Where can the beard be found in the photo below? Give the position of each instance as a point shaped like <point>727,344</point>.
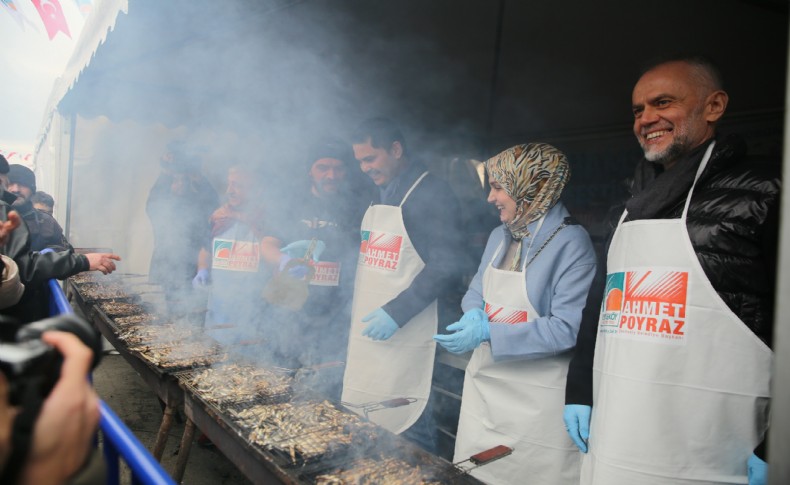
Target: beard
<point>675,150</point>
<point>681,141</point>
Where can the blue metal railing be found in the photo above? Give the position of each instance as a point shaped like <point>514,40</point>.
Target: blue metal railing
<point>119,441</point>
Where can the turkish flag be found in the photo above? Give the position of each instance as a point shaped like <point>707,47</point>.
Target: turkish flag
<point>52,15</point>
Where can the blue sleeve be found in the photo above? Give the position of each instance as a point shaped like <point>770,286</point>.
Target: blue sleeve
<point>558,290</point>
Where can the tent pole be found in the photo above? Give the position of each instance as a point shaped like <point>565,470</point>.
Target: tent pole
<point>70,171</point>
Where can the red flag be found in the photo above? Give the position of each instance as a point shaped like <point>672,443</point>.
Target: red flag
<point>52,15</point>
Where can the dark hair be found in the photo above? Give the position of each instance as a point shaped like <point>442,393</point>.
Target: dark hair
<point>4,167</point>
<point>42,197</point>
<point>707,70</point>
<point>382,133</point>
<point>330,147</point>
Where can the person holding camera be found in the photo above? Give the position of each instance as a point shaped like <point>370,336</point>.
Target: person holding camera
<point>62,434</point>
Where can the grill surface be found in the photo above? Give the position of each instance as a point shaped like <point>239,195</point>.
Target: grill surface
<point>262,419</point>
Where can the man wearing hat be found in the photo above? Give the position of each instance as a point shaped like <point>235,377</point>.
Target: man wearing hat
<point>36,269</point>
<point>325,213</point>
<point>45,232</point>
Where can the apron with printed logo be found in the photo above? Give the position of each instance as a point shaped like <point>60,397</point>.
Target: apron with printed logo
<point>402,366</point>
<point>234,284</point>
<point>680,383</point>
<point>515,403</point>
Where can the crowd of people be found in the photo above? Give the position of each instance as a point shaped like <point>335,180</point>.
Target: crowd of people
<point>649,363</point>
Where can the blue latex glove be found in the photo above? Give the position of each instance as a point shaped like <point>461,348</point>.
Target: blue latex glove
<point>577,422</point>
<point>201,279</point>
<point>297,249</point>
<point>758,470</point>
<point>298,271</point>
<point>381,326</point>
<point>468,333</point>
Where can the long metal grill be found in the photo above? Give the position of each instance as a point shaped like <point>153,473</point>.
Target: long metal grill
<point>277,420</point>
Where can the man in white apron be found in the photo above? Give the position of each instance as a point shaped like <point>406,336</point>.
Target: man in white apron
<point>325,216</point>
<point>407,260</point>
<point>682,362</point>
<point>231,262</point>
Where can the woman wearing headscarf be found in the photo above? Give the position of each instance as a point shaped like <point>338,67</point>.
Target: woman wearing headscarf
<point>521,315</point>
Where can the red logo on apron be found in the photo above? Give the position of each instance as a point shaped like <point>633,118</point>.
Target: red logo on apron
<point>502,314</point>
<point>380,250</point>
<point>650,305</point>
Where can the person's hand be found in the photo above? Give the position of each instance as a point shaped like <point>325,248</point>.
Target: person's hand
<point>104,262</point>
<point>201,279</point>
<point>758,470</point>
<point>468,333</point>
<point>298,271</point>
<point>381,326</point>
<point>8,226</point>
<point>577,422</point>
<point>298,249</point>
<point>63,433</point>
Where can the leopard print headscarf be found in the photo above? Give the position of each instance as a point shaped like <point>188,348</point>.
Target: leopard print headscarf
<point>533,175</point>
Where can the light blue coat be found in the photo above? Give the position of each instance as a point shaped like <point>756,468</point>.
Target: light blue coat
<point>557,284</point>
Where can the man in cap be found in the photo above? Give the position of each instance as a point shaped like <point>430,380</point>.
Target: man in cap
<point>324,215</point>
<point>45,232</point>
<point>677,389</point>
<point>409,261</point>
<point>35,268</point>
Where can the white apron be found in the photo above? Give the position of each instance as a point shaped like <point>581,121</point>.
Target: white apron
<point>515,403</point>
<point>401,367</point>
<point>235,260</point>
<point>680,384</point>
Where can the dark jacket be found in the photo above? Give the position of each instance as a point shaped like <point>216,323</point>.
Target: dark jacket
<point>45,232</point>
<point>733,226</point>
<point>180,225</point>
<point>431,215</point>
<point>36,269</point>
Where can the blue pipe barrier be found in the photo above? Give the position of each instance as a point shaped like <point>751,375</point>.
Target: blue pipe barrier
<point>119,441</point>
<point>145,469</point>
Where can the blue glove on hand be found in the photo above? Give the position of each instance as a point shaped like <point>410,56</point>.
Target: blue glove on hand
<point>469,332</point>
<point>297,271</point>
<point>297,249</point>
<point>201,279</point>
<point>758,470</point>
<point>381,326</point>
<point>577,422</point>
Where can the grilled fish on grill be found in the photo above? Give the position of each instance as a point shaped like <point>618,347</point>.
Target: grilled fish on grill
<point>183,355</point>
<point>236,383</point>
<point>304,430</point>
<point>137,319</point>
<point>119,308</point>
<point>102,291</point>
<point>139,335</point>
<point>367,471</point>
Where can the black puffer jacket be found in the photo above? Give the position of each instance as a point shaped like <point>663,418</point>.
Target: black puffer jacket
<point>733,227</point>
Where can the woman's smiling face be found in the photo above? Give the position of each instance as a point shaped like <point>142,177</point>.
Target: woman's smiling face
<point>504,203</point>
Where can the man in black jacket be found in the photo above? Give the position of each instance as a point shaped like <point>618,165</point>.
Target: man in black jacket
<point>671,377</point>
<point>409,260</point>
<point>45,232</point>
<point>36,269</point>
